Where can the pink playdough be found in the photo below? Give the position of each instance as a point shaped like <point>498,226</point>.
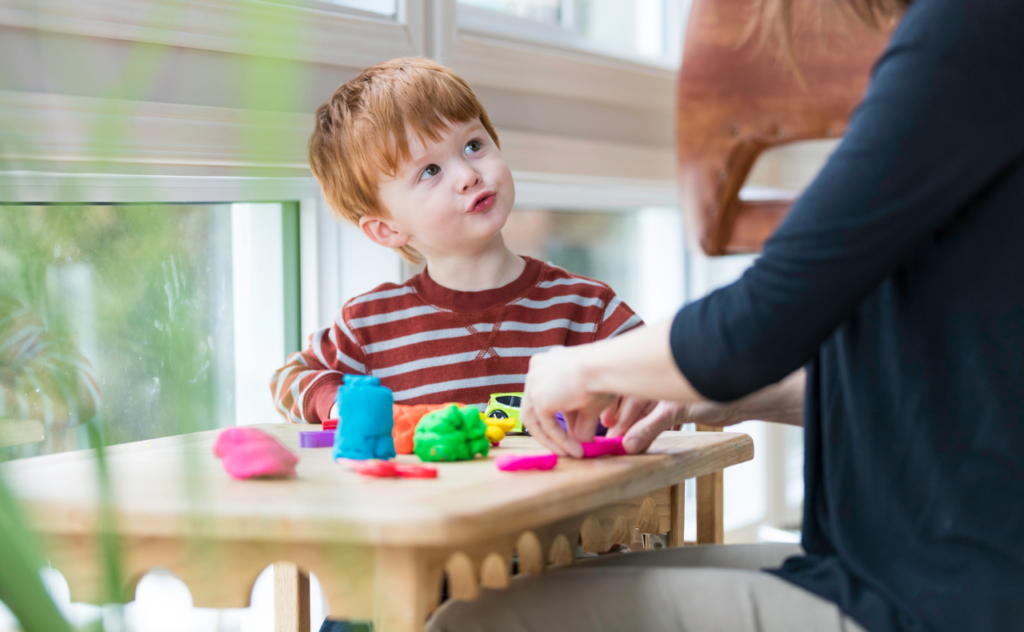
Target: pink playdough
<point>518,462</point>
<point>603,446</point>
<point>252,453</point>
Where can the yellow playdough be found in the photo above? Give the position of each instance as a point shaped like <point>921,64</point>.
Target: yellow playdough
<point>497,428</point>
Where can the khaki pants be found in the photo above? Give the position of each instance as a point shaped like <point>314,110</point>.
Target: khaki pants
<point>692,589</point>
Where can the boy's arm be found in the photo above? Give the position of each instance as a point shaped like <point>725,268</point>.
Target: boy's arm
<point>304,389</point>
<point>617,319</point>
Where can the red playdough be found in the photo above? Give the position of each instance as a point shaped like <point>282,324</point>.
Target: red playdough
<point>330,424</point>
<point>602,446</point>
<point>519,462</point>
<point>251,453</point>
<point>389,469</point>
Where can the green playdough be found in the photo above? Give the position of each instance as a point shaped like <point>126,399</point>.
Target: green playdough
<point>451,434</point>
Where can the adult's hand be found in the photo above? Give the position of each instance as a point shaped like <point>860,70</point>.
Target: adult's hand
<point>583,381</point>
<point>780,403</point>
<point>640,431</point>
<point>557,382</point>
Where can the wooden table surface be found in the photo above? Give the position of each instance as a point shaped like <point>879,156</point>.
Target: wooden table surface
<point>170,490</point>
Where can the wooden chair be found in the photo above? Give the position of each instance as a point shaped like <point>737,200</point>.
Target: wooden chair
<point>736,99</point>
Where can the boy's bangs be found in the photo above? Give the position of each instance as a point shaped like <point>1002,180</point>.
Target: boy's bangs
<point>426,111</point>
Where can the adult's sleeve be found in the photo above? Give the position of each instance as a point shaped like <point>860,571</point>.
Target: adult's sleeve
<point>943,118</point>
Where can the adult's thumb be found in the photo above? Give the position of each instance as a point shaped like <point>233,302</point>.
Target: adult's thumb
<point>641,435</point>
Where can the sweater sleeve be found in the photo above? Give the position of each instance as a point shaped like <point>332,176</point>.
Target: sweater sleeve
<point>939,124</point>
<point>617,318</point>
<point>304,388</point>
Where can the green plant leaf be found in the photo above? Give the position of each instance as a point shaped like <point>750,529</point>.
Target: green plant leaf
<point>21,587</point>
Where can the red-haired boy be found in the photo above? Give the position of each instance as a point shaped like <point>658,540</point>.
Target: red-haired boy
<point>406,151</point>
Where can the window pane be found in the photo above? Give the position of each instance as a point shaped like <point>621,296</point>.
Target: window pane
<point>636,26</point>
<point>541,10</point>
<point>638,252</point>
<point>121,314</point>
<point>384,7</point>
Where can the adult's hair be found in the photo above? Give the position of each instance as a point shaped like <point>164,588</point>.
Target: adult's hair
<point>775,18</point>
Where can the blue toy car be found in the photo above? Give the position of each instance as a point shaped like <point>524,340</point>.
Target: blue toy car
<point>365,420</point>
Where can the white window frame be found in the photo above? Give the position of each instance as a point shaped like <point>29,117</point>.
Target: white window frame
<point>480,21</point>
<point>331,33</point>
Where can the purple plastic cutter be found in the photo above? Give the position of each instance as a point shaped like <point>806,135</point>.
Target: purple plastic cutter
<point>316,439</point>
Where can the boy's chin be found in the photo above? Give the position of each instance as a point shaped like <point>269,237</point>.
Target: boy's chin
<point>469,245</point>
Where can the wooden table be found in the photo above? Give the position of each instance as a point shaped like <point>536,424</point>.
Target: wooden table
<point>378,546</point>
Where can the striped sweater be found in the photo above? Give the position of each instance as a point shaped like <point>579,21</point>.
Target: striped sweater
<point>431,345</point>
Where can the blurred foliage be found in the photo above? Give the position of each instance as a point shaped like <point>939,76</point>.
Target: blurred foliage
<point>115,326</point>
<point>116,321</point>
<point>139,292</point>
<point>21,587</point>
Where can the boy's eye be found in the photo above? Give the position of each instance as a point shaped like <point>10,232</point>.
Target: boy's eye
<point>472,147</point>
<point>430,172</point>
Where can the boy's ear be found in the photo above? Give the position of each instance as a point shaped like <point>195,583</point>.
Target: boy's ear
<point>381,232</point>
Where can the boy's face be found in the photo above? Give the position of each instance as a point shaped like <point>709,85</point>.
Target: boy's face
<point>451,197</point>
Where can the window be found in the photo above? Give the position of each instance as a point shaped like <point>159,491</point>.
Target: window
<point>138,316</point>
<point>636,251</point>
<point>630,28</point>
<point>383,7</point>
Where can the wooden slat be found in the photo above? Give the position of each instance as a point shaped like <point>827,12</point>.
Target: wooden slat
<point>710,504</point>
<point>678,515</point>
<point>291,598</point>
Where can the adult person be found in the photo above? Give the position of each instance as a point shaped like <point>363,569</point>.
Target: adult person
<point>896,282</point>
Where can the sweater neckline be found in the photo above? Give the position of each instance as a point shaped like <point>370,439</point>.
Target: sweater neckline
<point>458,300</point>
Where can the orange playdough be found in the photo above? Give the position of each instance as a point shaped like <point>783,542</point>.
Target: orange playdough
<point>406,418</point>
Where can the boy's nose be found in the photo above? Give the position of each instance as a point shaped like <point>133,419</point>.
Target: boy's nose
<point>469,178</point>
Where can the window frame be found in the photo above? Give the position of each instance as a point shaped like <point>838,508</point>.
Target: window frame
<point>479,21</point>
<point>332,34</point>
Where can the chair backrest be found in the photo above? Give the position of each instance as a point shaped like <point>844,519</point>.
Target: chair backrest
<point>737,98</point>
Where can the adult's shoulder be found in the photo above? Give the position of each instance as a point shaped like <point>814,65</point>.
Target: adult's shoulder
<point>964,31</point>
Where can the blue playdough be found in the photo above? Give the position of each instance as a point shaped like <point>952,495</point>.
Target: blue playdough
<point>365,420</point>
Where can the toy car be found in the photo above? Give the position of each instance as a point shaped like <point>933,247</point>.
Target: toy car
<point>506,406</point>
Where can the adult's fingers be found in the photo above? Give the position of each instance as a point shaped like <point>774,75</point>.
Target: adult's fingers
<point>548,432</point>
<point>610,415</point>
<point>582,424</point>
<point>630,412</point>
<point>554,431</point>
<point>643,433</point>
<point>528,417</point>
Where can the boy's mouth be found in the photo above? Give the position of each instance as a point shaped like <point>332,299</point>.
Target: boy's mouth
<point>483,202</point>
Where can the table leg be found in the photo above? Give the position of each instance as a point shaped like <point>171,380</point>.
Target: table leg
<point>291,598</point>
<point>677,515</point>
<point>406,589</point>
<point>710,525</point>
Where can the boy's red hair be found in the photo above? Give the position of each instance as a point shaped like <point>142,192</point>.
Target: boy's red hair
<point>361,132</point>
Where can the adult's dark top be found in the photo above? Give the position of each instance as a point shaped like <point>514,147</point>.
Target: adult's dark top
<point>898,280</point>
